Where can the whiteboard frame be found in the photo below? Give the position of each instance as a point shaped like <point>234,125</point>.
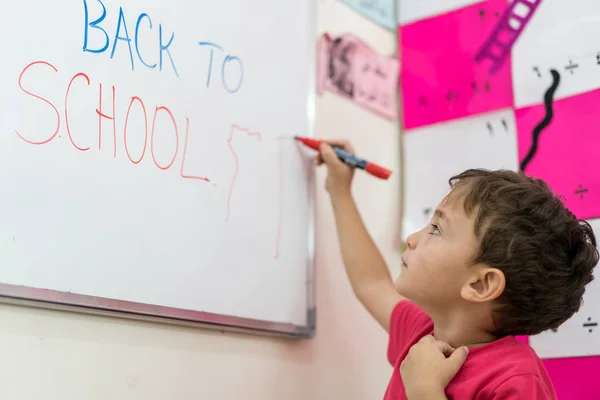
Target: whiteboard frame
<point>63,301</point>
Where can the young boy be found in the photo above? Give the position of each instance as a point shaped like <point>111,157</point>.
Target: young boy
<point>501,257</point>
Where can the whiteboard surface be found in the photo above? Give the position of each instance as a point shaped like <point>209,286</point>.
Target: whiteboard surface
<point>217,216</point>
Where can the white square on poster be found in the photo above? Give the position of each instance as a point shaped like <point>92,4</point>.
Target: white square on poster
<point>580,335</point>
<point>434,153</point>
<point>415,10</point>
<point>561,35</point>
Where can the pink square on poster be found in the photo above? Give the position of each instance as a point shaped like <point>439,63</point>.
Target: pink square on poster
<point>575,378</point>
<point>572,378</point>
<point>440,78</point>
<point>568,150</point>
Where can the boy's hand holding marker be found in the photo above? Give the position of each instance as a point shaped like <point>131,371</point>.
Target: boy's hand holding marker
<point>347,156</point>
<point>339,174</point>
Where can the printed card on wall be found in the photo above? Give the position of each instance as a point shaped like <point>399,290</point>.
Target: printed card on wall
<point>580,335</point>
<point>562,36</point>
<point>440,78</point>
<point>565,153</point>
<point>348,67</point>
<point>383,12</point>
<point>434,153</point>
<point>414,10</point>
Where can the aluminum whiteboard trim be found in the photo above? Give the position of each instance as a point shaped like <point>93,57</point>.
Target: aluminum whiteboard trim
<point>310,329</point>
<point>50,299</point>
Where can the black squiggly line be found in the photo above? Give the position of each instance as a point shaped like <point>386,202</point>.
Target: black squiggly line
<point>548,100</point>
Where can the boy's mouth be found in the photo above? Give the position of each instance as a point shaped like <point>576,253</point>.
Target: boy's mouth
<point>403,262</point>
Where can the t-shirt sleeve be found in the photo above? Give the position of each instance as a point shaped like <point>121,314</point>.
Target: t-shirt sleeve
<point>408,325</point>
<point>527,386</point>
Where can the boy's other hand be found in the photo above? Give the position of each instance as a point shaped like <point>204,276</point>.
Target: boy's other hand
<point>429,366</point>
<point>339,175</point>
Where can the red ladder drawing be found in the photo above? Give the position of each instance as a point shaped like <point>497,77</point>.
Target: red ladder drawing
<point>497,50</point>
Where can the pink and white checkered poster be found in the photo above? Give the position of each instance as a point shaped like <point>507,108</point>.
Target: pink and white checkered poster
<point>509,84</point>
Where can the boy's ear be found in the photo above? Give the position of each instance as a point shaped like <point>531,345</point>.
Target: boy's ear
<point>486,284</point>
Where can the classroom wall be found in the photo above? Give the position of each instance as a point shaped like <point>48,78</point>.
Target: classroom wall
<point>57,355</point>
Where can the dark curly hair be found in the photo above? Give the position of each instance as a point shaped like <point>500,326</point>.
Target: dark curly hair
<point>547,255</point>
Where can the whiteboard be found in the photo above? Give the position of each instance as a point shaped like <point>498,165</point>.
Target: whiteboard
<point>148,162</point>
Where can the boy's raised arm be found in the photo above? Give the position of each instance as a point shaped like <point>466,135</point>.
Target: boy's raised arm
<point>366,268</point>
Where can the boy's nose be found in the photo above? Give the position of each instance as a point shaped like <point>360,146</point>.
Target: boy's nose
<point>411,241</point>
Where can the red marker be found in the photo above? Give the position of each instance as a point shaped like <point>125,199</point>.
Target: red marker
<point>349,158</point>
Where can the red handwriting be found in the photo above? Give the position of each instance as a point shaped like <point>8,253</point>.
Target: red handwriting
<point>41,98</point>
<point>67,108</point>
<point>113,119</point>
<point>280,200</point>
<point>137,109</point>
<point>152,138</point>
<point>235,127</point>
<point>185,144</point>
<point>134,101</point>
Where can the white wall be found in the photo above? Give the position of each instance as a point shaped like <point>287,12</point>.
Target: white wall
<point>55,355</point>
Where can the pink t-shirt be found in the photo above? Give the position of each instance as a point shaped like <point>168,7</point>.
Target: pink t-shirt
<point>502,370</point>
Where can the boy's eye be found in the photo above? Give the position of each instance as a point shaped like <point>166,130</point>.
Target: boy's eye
<point>435,230</point>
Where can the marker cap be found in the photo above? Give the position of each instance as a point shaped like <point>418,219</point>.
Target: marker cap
<point>378,171</point>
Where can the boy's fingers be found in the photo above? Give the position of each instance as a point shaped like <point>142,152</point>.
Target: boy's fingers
<point>444,348</point>
<point>344,144</point>
<point>328,155</point>
<point>457,359</point>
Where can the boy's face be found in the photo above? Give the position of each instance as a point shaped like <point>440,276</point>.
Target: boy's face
<point>438,260</point>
